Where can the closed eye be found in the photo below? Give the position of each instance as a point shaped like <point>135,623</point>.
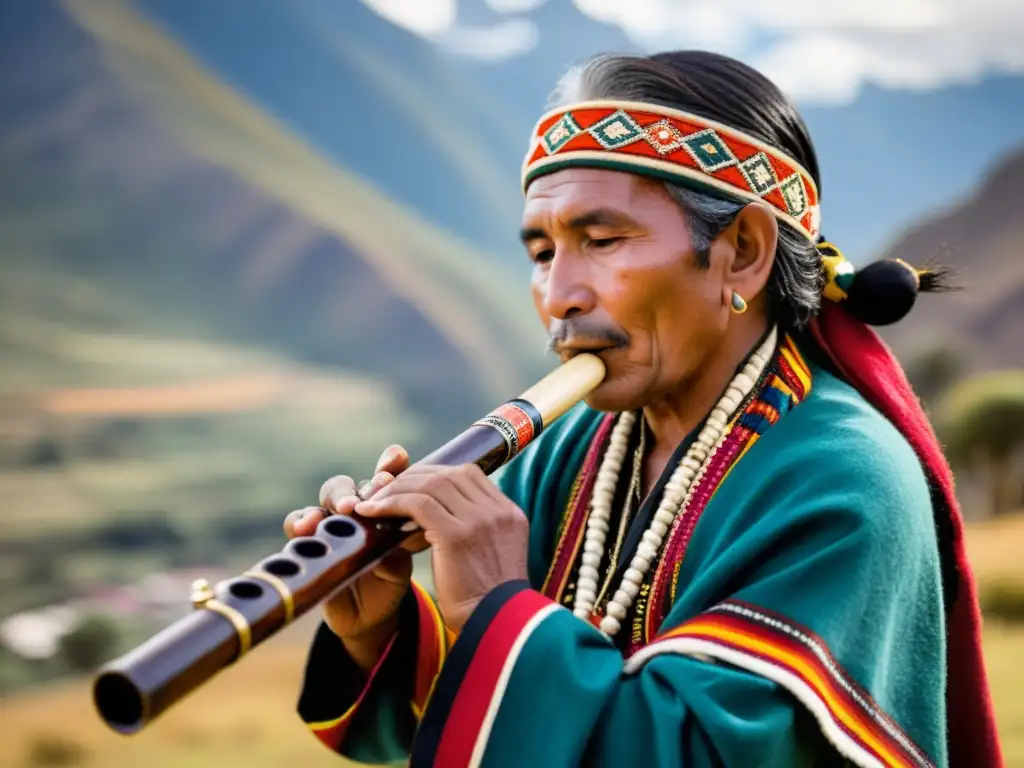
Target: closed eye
<point>604,242</point>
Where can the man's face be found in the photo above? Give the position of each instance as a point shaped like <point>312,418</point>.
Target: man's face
<point>615,272</point>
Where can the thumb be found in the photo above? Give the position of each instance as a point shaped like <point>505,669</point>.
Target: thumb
<point>395,567</point>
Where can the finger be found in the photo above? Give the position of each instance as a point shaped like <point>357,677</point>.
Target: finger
<point>416,543</point>
<point>463,479</point>
<point>441,484</point>
<point>373,485</point>
<point>394,460</point>
<point>303,522</point>
<point>425,510</point>
<point>478,479</point>
<point>414,480</point>
<point>335,490</point>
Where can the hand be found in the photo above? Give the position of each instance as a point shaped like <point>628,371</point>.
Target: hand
<point>364,616</point>
<point>479,538</point>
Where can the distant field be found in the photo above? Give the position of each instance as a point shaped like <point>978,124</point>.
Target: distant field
<point>995,548</point>
<point>226,428</point>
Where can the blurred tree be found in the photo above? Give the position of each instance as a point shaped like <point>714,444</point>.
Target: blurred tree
<point>934,372</point>
<point>89,644</point>
<point>137,531</point>
<point>44,452</point>
<point>981,423</point>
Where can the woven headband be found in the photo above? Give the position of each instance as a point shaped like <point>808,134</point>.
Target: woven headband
<point>675,146</point>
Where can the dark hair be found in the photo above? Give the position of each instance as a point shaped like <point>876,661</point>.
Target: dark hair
<point>727,91</point>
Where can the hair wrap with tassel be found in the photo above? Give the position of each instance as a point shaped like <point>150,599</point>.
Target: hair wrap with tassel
<point>883,292</point>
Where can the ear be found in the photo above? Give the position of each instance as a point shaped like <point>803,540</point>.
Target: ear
<point>751,240</point>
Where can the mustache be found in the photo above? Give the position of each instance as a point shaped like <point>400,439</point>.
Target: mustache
<point>582,331</point>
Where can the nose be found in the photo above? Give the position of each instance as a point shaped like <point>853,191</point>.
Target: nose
<point>566,290</point>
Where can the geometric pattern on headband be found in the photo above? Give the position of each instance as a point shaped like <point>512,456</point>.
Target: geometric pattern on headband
<point>674,146</point>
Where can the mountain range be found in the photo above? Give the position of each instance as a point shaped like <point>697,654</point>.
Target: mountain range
<point>145,198</point>
<point>981,237</point>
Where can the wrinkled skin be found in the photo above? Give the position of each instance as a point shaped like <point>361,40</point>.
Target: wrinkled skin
<point>614,273</point>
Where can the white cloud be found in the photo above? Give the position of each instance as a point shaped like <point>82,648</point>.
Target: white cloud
<point>436,20</point>
<point>826,51</point>
<point>514,6</point>
<point>817,51</point>
<point>512,37</point>
<point>423,17</point>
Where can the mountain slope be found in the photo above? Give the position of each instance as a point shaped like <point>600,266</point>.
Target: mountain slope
<point>982,237</point>
<point>192,213</point>
<point>448,282</point>
<point>372,97</point>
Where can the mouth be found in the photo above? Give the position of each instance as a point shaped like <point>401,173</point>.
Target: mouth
<point>567,351</point>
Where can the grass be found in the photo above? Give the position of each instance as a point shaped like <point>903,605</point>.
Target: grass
<point>1003,645</point>
<point>245,717</point>
<point>994,548</point>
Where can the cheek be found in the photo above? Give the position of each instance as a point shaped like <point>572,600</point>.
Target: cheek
<point>687,304</point>
<point>538,290</point>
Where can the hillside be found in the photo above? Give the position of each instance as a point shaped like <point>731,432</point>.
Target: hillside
<point>347,81</point>
<point>145,194</point>
<point>370,96</point>
<point>982,237</point>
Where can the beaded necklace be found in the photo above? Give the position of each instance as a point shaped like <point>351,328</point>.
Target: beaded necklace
<point>676,498</point>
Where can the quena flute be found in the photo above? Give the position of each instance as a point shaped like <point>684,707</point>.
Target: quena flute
<point>238,614</point>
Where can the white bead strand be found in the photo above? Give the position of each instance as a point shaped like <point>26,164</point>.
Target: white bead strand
<point>587,584</point>
<point>676,498</point>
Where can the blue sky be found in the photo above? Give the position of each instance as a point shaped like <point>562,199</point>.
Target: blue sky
<point>820,52</point>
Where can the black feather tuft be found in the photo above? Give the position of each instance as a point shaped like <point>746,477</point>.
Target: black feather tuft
<point>937,279</point>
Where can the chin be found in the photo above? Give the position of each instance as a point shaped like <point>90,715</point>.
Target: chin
<point>615,397</point>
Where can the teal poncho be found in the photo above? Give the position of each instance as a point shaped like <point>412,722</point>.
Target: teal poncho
<point>797,622</point>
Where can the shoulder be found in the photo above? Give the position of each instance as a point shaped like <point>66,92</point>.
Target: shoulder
<point>833,470</point>
<point>836,433</point>
<point>834,457</point>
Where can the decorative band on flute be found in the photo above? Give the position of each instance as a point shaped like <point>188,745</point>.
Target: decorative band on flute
<point>517,421</point>
<point>203,597</point>
<point>287,599</point>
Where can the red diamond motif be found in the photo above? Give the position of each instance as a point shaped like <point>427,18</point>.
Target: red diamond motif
<point>663,136</point>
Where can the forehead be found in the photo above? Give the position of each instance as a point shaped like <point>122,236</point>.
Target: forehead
<point>573,189</point>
